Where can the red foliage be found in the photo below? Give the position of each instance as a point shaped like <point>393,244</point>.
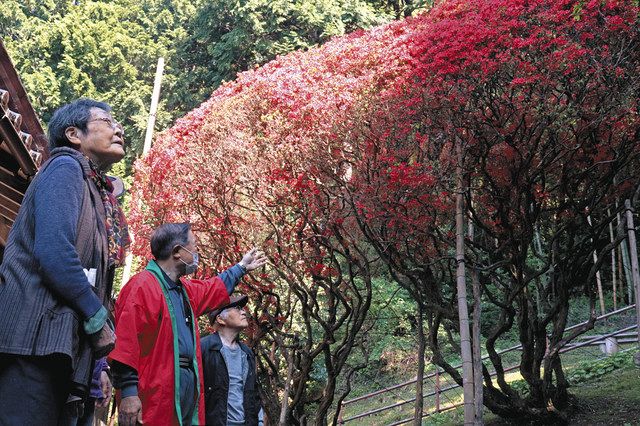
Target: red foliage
<point>353,140</point>
<point>375,113</point>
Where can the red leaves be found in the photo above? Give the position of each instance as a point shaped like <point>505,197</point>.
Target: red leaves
<point>289,155</point>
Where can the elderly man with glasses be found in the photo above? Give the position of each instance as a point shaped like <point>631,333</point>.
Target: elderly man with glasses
<point>156,361</point>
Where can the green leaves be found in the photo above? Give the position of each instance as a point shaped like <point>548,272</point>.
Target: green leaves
<point>594,369</point>
<point>230,37</point>
<point>103,50</point>
<point>108,49</point>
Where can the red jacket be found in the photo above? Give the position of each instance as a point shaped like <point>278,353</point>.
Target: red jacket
<point>144,340</point>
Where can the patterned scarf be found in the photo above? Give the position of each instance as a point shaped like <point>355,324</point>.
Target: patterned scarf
<point>116,224</point>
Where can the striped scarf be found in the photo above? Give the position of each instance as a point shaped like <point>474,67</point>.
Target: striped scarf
<point>116,224</point>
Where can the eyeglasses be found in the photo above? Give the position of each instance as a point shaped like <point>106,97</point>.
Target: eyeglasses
<point>193,253</point>
<point>113,123</point>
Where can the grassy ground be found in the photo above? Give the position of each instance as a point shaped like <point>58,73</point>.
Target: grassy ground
<point>613,399</point>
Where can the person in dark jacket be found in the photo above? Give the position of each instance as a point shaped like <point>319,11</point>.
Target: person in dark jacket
<point>229,369</point>
<point>56,276</point>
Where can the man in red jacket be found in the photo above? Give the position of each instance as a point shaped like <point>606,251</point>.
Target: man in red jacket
<point>155,362</point>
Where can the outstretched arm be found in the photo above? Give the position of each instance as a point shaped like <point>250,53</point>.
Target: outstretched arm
<point>251,260</point>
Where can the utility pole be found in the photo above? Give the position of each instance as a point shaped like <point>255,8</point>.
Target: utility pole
<point>151,122</point>
<point>155,98</point>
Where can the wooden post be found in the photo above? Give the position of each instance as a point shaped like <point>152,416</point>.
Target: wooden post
<point>463,308</point>
<point>633,251</point>
<point>151,122</point>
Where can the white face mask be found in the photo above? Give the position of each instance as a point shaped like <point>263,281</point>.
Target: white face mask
<point>190,268</point>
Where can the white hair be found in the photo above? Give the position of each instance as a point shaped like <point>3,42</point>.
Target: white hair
<point>225,313</point>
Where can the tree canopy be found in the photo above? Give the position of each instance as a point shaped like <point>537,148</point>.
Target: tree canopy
<point>340,161</point>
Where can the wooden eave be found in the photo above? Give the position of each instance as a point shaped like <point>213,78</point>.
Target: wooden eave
<point>23,143</point>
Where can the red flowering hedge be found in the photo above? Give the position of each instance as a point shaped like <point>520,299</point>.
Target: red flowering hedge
<point>354,141</point>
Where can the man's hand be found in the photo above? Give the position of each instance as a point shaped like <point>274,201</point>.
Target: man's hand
<point>105,385</point>
<point>253,259</point>
<point>130,411</point>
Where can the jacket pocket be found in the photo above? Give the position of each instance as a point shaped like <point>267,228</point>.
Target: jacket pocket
<point>57,332</point>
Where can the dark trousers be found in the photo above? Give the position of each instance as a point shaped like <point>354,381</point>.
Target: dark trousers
<point>33,389</point>
<point>188,397</point>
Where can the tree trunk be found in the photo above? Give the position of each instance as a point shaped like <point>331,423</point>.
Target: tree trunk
<point>284,409</point>
<point>419,404</point>
<point>463,308</point>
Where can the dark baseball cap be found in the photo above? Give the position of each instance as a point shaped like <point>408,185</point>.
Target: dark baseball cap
<point>239,300</point>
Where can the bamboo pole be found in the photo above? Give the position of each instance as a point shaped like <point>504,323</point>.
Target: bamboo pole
<point>418,408</point>
<point>620,274</point>
<point>476,343</point>
<point>437,389</point>
<point>155,99</point>
<point>634,260</point>
<point>626,268</point>
<point>463,308</point>
<point>478,395</point>
<point>613,263</point>
<point>598,279</point>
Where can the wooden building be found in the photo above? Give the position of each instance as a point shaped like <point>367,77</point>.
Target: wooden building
<point>23,144</point>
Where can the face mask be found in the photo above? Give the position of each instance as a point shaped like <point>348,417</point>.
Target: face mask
<point>190,268</point>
